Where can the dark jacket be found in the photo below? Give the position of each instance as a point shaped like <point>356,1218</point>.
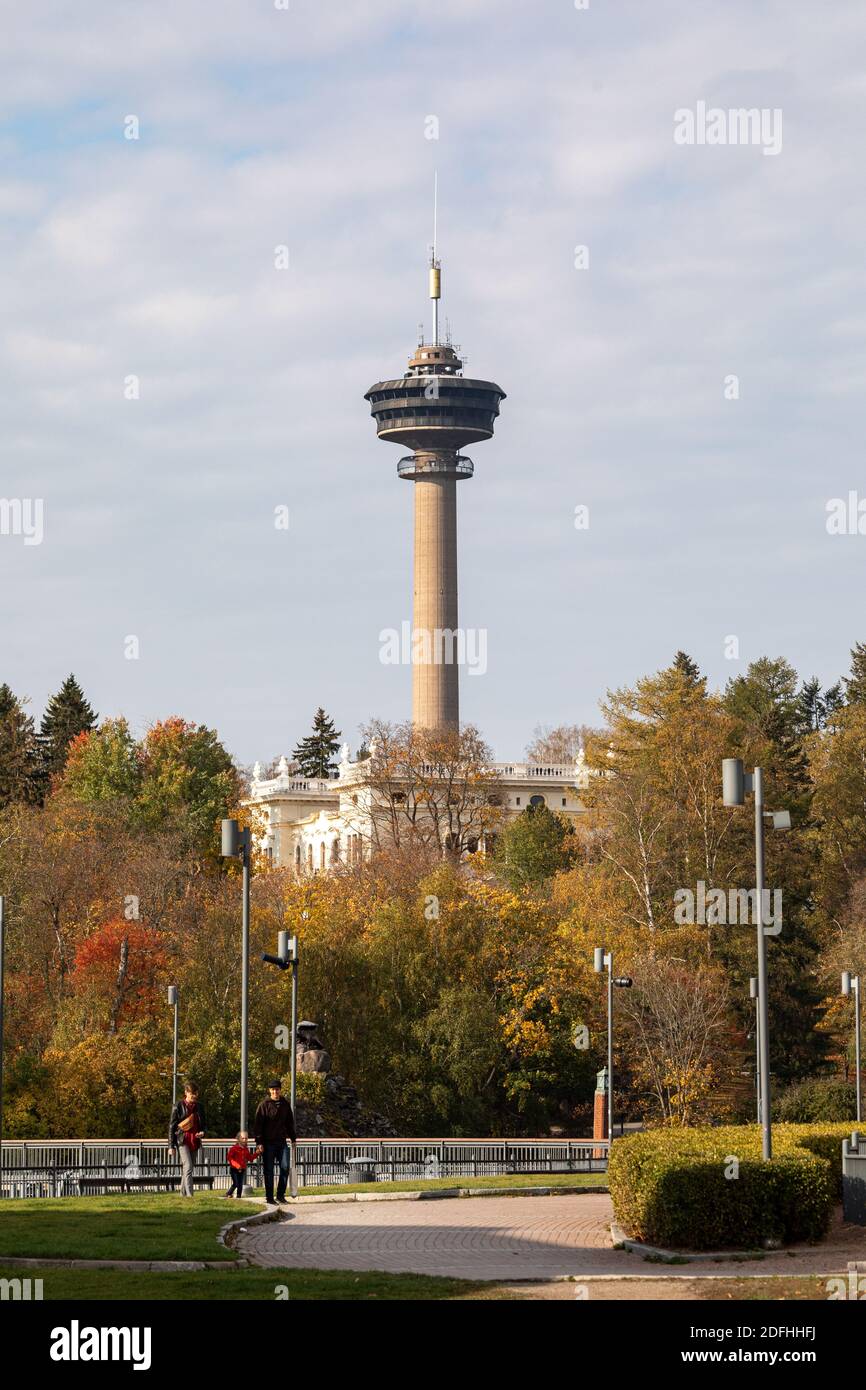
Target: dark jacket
<point>174,1139</point>
<point>274,1122</point>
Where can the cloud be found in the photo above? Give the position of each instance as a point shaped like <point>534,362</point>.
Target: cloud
<point>306,128</point>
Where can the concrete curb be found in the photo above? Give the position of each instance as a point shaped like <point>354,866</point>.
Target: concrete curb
<point>678,1257</point>
<point>441,1193</point>
<point>231,1229</point>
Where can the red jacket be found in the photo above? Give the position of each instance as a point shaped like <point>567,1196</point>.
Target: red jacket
<point>239,1156</point>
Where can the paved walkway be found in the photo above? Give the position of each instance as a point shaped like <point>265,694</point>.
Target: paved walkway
<point>500,1238</point>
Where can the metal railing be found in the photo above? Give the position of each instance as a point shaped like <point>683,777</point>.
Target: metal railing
<point>64,1168</point>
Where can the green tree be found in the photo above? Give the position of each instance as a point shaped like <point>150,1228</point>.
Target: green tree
<point>315,753</point>
<point>19,766</point>
<point>104,764</point>
<point>533,847</point>
<point>67,714</point>
<point>186,774</point>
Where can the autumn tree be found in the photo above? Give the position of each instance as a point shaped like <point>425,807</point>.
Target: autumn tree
<point>558,746</point>
<point>436,789</point>
<point>678,1020</point>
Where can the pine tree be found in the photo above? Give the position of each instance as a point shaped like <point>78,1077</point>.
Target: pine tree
<point>690,669</point>
<point>19,754</point>
<point>67,714</point>
<point>855,684</point>
<point>315,753</point>
<point>812,705</point>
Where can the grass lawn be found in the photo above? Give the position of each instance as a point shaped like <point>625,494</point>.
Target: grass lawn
<point>143,1226</point>
<point>516,1180</point>
<point>232,1285</point>
<point>780,1288</point>
<point>163,1226</point>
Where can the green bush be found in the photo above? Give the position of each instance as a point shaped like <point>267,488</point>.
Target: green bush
<point>669,1186</point>
<point>817,1102</point>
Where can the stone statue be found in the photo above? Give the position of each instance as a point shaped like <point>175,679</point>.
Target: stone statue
<point>309,1051</point>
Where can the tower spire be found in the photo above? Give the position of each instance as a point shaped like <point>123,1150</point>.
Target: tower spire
<point>435,268</point>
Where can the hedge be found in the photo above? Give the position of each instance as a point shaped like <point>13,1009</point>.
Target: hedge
<point>669,1186</point>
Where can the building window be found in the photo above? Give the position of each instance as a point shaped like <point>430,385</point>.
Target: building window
<point>563,801</point>
<point>518,801</point>
<point>322,855</point>
<point>309,858</point>
<point>537,801</point>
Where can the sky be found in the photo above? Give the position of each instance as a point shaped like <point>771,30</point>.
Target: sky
<point>694,378</point>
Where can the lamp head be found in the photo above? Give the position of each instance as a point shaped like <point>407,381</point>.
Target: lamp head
<point>733,782</point>
<point>231,840</point>
<point>846,982</point>
<point>598,960</point>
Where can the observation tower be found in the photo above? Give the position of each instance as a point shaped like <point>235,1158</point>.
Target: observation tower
<point>436,411</point>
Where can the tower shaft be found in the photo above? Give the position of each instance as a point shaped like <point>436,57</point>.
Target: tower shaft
<point>435,697</point>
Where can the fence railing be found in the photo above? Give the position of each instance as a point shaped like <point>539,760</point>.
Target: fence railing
<point>59,1168</point>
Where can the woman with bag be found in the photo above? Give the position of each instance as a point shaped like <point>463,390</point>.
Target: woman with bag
<point>185,1132</point>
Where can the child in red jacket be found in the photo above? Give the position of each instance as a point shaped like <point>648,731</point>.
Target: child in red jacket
<point>239,1158</point>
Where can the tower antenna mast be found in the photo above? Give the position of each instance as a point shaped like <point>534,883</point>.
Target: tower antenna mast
<point>435,270</point>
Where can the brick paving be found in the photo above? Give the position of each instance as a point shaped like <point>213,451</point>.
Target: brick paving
<point>497,1238</point>
<point>469,1238</point>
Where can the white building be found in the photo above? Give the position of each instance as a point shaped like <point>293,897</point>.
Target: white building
<point>314,825</point>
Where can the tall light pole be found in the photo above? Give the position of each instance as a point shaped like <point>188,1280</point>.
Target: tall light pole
<point>287,955</point>
<point>735,784</point>
<point>172,999</point>
<point>2,966</point>
<point>237,844</point>
<point>753,994</point>
<point>604,959</point>
<point>851,985</point>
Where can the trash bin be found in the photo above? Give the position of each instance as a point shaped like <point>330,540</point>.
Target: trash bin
<point>361,1169</point>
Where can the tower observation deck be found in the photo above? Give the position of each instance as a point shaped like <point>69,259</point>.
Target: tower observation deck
<point>435,411</point>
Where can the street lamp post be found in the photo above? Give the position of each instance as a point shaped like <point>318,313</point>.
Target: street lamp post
<point>287,955</point>
<point>753,994</point>
<point>604,959</point>
<point>172,999</point>
<point>851,985</point>
<point>2,966</point>
<point>735,784</point>
<point>237,844</point>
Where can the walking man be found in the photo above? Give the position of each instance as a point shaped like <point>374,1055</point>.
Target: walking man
<point>185,1132</point>
<point>274,1129</point>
